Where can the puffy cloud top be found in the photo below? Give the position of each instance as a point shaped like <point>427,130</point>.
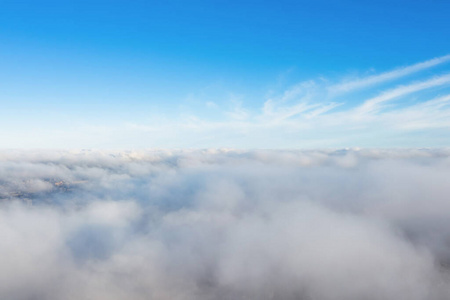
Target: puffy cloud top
<point>225,224</point>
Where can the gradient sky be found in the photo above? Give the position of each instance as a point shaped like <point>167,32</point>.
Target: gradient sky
<point>242,74</point>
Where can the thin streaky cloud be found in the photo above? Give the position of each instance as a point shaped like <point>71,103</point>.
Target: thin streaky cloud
<point>434,113</point>
<point>311,113</point>
<point>286,112</point>
<point>373,103</point>
<point>322,110</point>
<point>391,75</point>
<point>305,115</point>
<point>437,102</point>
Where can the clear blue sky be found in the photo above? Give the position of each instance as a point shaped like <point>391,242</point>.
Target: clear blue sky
<point>246,74</point>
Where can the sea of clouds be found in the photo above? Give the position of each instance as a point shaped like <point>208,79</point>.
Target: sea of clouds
<point>225,224</point>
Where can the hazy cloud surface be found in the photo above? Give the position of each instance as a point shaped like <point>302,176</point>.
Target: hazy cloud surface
<point>225,224</point>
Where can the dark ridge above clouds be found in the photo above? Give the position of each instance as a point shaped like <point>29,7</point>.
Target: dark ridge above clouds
<point>225,224</point>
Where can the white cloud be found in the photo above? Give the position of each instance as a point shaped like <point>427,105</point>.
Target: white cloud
<point>221,224</point>
<point>313,113</point>
<point>387,76</point>
<point>373,103</point>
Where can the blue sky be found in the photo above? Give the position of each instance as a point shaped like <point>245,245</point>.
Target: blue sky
<point>241,74</point>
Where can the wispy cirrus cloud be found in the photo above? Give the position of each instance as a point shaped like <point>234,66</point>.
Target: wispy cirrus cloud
<point>387,76</point>
<point>374,103</point>
<point>383,110</point>
<point>323,113</point>
<point>323,108</point>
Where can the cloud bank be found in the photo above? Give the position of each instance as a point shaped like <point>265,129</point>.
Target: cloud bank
<point>225,224</point>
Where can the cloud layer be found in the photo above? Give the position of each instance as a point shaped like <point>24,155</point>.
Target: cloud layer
<point>225,224</point>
